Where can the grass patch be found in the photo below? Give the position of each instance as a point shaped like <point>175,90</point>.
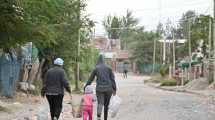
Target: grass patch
<point>152,81</point>
<point>4,109</point>
<point>168,83</point>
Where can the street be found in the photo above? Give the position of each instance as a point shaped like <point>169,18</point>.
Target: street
<point>139,102</point>
<point>52,49</point>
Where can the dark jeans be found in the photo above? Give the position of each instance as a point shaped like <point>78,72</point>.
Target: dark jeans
<point>55,104</point>
<point>103,99</point>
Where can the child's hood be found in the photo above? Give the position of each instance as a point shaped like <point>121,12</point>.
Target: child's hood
<point>88,89</point>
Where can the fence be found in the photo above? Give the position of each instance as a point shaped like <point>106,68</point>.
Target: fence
<point>148,68</point>
<point>9,74</point>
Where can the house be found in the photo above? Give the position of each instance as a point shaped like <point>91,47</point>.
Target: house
<point>111,48</point>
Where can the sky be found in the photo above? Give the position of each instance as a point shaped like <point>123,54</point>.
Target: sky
<point>148,12</point>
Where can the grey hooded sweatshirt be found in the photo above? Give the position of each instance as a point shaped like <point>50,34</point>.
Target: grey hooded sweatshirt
<point>105,79</point>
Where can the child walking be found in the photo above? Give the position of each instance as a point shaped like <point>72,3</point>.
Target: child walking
<point>87,103</point>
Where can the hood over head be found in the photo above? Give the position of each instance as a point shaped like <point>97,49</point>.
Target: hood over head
<point>88,89</point>
<point>100,60</point>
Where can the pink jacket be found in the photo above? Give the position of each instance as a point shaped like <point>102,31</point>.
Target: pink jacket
<point>88,99</point>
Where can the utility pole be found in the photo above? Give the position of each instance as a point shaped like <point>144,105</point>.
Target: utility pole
<point>164,51</point>
<point>209,39</point>
<point>190,54</point>
<point>210,62</point>
<point>78,51</point>
<point>173,47</point>
<point>78,63</point>
<point>214,45</point>
<point>154,56</point>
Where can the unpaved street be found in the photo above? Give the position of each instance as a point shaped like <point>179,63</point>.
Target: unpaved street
<point>140,102</point>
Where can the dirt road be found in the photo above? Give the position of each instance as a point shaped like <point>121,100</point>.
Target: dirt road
<point>141,102</point>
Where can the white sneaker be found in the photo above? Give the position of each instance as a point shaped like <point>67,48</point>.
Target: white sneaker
<point>55,118</point>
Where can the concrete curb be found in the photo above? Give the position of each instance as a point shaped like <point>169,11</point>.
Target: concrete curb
<point>180,90</point>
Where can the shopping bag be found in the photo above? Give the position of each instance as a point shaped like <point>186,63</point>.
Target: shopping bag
<point>76,106</point>
<point>114,105</point>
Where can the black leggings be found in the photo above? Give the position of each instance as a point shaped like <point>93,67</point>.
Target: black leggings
<point>103,99</point>
<point>55,104</point>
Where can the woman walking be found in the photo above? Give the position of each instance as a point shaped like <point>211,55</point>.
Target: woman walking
<point>53,88</point>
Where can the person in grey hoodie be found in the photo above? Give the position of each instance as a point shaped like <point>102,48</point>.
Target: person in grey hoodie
<point>105,86</point>
<point>53,88</point>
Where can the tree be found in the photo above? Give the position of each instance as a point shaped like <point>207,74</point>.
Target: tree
<point>12,24</point>
<point>113,25</point>
<point>54,28</point>
<point>142,47</point>
<point>199,30</point>
<point>129,24</point>
<point>182,31</point>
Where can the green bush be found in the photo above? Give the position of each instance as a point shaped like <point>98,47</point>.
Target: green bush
<point>164,70</point>
<point>168,83</point>
<point>38,87</point>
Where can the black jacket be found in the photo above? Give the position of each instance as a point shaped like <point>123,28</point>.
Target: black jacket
<point>55,81</point>
<point>105,78</point>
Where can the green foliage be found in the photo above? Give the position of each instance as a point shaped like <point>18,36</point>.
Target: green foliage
<point>38,87</point>
<point>52,25</point>
<point>164,70</point>
<point>88,61</point>
<point>54,28</point>
<point>112,25</point>
<point>12,24</point>
<point>182,31</point>
<point>168,83</point>
<point>139,42</point>
<point>142,47</point>
<point>129,22</point>
<point>199,30</point>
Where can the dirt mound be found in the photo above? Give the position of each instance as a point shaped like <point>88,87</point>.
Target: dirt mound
<point>197,84</point>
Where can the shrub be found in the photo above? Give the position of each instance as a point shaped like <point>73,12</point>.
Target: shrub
<point>38,87</point>
<point>164,70</point>
<point>168,83</point>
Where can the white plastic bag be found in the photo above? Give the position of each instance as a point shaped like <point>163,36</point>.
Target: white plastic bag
<point>114,105</point>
